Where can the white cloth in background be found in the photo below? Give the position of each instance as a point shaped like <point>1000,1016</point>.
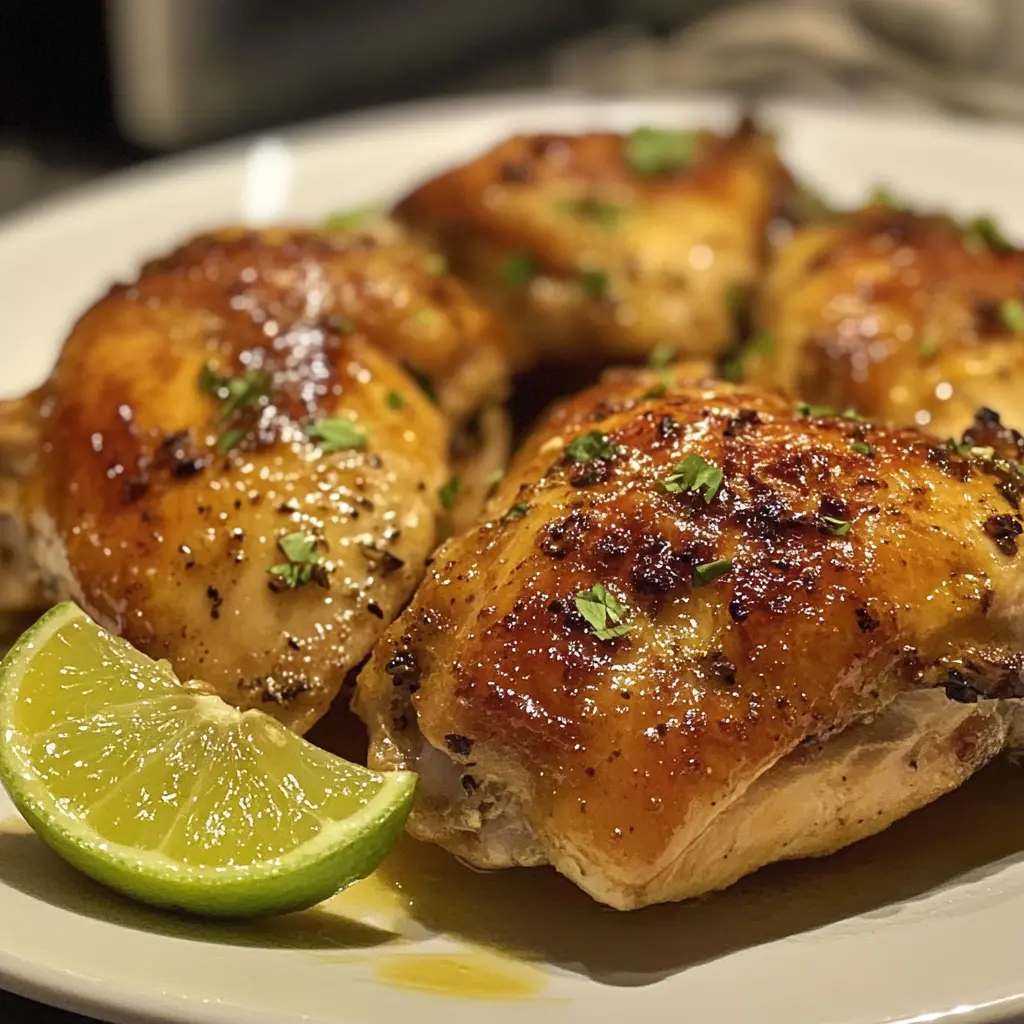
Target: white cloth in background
<point>957,55</point>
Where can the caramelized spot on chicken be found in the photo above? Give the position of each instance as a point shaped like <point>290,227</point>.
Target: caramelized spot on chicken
<point>661,689</point>
<point>594,251</point>
<point>223,472</point>
<point>906,318</point>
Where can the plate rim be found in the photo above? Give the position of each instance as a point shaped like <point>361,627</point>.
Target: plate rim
<point>80,994</point>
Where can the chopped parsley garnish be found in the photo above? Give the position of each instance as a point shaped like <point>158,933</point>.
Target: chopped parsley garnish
<point>496,477</point>
<point>516,511</point>
<point>732,369</point>
<point>1013,315</point>
<point>662,356</point>
<point>449,492</point>
<point>239,392</point>
<point>861,448</point>
<point>658,391</point>
<point>762,343</point>
<point>594,282</point>
<point>346,220</point>
<point>395,400</point>
<point>651,151</point>
<point>586,447</point>
<point>694,474</point>
<point>711,571</point>
<point>982,234</point>
<point>303,562</point>
<point>519,270</point>
<point>230,439</point>
<point>837,527</point>
<point>969,451</point>
<point>592,208</point>
<point>603,613</point>
<point>334,435</point>
<point>881,196</point>
<point>928,347</point>
<point>825,411</point>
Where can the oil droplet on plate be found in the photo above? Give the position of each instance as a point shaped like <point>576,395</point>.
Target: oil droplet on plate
<point>471,975</point>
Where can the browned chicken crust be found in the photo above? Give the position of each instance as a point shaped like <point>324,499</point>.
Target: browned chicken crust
<point>588,258</point>
<point>841,572</point>
<point>901,316</point>
<point>159,501</point>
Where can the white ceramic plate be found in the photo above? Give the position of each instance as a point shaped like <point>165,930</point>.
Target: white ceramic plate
<point>920,924</point>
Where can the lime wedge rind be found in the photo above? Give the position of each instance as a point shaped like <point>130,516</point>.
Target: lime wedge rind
<point>341,852</point>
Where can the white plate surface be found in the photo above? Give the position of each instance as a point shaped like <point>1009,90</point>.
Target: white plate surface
<point>921,924</point>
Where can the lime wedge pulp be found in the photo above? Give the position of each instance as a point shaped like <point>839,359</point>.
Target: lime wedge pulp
<point>172,796</point>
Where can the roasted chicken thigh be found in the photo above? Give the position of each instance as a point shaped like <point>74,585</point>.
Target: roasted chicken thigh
<point>604,246</point>
<point>908,318</point>
<point>699,630</point>
<point>241,458</point>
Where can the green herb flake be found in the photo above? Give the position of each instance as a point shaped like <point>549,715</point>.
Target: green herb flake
<point>395,400</point>
<point>602,612</point>
<point>762,343</point>
<point>449,493</point>
<point>982,234</point>
<point>658,391</point>
<point>711,571</point>
<point>881,196</point>
<point>653,151</point>
<point>732,369</point>
<point>586,447</point>
<point>929,347</point>
<point>347,220</point>
<point>239,392</point>
<point>230,440</point>
<point>862,449</point>
<point>303,562</point>
<point>335,435</point>
<point>694,474</point>
<point>519,270</point>
<point>662,356</point>
<point>837,527</point>
<point>594,282</point>
<point>1013,315</point>
<point>517,511</point>
<point>591,208</point>
<point>814,411</point>
<point>819,412</point>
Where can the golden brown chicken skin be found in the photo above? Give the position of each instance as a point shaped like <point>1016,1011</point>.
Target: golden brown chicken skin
<point>236,466</point>
<point>908,318</point>
<point>658,689</point>
<point>604,246</point>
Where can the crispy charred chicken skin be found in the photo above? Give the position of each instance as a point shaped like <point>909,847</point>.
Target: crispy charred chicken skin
<point>236,464</point>
<point>699,631</point>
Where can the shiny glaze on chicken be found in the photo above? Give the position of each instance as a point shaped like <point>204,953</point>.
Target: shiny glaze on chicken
<point>588,257</point>
<point>838,566</point>
<point>900,316</point>
<point>177,445</point>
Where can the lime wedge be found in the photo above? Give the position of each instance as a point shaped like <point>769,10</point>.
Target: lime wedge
<point>171,796</point>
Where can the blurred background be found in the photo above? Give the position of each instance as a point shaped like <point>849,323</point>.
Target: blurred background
<point>91,85</point>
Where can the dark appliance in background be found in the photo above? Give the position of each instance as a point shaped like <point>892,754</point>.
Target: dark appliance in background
<point>164,74</point>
